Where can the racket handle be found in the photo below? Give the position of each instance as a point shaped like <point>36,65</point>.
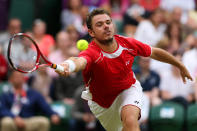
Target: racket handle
<point>57,67</point>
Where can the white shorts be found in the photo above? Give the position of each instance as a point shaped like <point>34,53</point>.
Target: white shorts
<point>110,118</point>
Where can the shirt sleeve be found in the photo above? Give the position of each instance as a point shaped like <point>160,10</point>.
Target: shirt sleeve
<point>140,48</point>
<point>43,105</point>
<point>4,107</point>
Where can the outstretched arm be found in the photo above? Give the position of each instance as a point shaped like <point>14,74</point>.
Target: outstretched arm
<point>73,64</point>
<point>164,56</point>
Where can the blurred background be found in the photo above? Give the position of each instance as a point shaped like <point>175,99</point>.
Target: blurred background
<point>56,25</point>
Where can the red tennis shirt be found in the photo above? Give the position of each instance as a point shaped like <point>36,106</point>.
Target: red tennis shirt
<point>108,74</point>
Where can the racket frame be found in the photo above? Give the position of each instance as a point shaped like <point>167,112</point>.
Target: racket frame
<point>39,54</point>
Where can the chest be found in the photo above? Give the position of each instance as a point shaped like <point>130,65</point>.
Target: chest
<point>115,64</point>
<point>26,102</point>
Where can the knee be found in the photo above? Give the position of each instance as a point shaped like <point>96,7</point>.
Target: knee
<point>44,122</point>
<point>130,121</point>
<point>7,122</point>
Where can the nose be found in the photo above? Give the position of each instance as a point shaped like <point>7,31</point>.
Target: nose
<point>106,26</point>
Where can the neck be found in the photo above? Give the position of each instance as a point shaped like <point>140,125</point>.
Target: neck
<point>144,71</point>
<point>75,10</point>
<point>107,47</point>
<point>18,89</point>
<point>38,37</point>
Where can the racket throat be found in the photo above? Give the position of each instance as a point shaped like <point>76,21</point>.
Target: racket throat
<point>54,66</point>
<point>57,67</point>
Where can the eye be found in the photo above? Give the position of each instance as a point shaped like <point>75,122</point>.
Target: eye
<point>108,22</point>
<point>98,24</point>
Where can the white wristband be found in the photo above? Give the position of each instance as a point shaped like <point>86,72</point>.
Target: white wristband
<point>71,65</point>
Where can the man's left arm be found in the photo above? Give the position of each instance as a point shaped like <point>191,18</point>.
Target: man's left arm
<point>164,56</point>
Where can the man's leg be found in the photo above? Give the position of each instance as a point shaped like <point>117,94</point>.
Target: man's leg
<point>38,123</point>
<point>129,116</point>
<point>7,124</point>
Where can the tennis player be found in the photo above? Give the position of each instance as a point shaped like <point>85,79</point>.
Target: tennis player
<point>113,93</point>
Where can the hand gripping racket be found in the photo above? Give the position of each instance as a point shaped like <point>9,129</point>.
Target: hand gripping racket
<point>25,56</point>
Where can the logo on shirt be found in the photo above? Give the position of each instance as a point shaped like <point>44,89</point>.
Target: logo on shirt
<point>137,102</point>
<point>127,63</point>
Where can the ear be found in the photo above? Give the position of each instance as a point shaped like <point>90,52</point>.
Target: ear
<point>91,33</point>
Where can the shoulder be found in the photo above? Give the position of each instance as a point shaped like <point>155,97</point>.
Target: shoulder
<point>48,39</point>
<point>65,12</point>
<point>93,54</point>
<point>4,35</point>
<point>126,41</point>
<point>145,23</point>
<point>123,39</point>
<point>33,92</point>
<point>188,56</point>
<point>48,36</point>
<point>155,74</point>
<point>6,88</point>
<point>92,50</point>
<point>190,52</point>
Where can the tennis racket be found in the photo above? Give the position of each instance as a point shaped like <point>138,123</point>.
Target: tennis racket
<point>25,56</point>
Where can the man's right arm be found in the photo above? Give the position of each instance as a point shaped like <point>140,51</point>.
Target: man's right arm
<point>73,64</point>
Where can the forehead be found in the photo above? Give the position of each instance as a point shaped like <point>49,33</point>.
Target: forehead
<point>16,74</point>
<point>100,18</point>
<point>62,35</point>
<point>15,23</point>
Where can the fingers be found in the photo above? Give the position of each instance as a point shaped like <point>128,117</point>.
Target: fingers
<point>186,76</point>
<point>65,72</point>
<point>190,77</point>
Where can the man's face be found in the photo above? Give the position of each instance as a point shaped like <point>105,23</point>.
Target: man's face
<point>102,28</point>
<point>39,28</point>
<point>63,41</point>
<point>17,79</point>
<point>157,17</point>
<point>14,26</point>
<point>144,63</point>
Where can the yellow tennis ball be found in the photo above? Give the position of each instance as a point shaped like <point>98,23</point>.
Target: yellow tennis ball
<point>82,44</point>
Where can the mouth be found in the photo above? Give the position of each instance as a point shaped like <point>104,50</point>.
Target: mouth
<point>107,32</point>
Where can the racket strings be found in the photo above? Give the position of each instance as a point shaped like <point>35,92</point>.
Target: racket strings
<point>23,54</point>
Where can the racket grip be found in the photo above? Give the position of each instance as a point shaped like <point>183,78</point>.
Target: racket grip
<point>58,67</point>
